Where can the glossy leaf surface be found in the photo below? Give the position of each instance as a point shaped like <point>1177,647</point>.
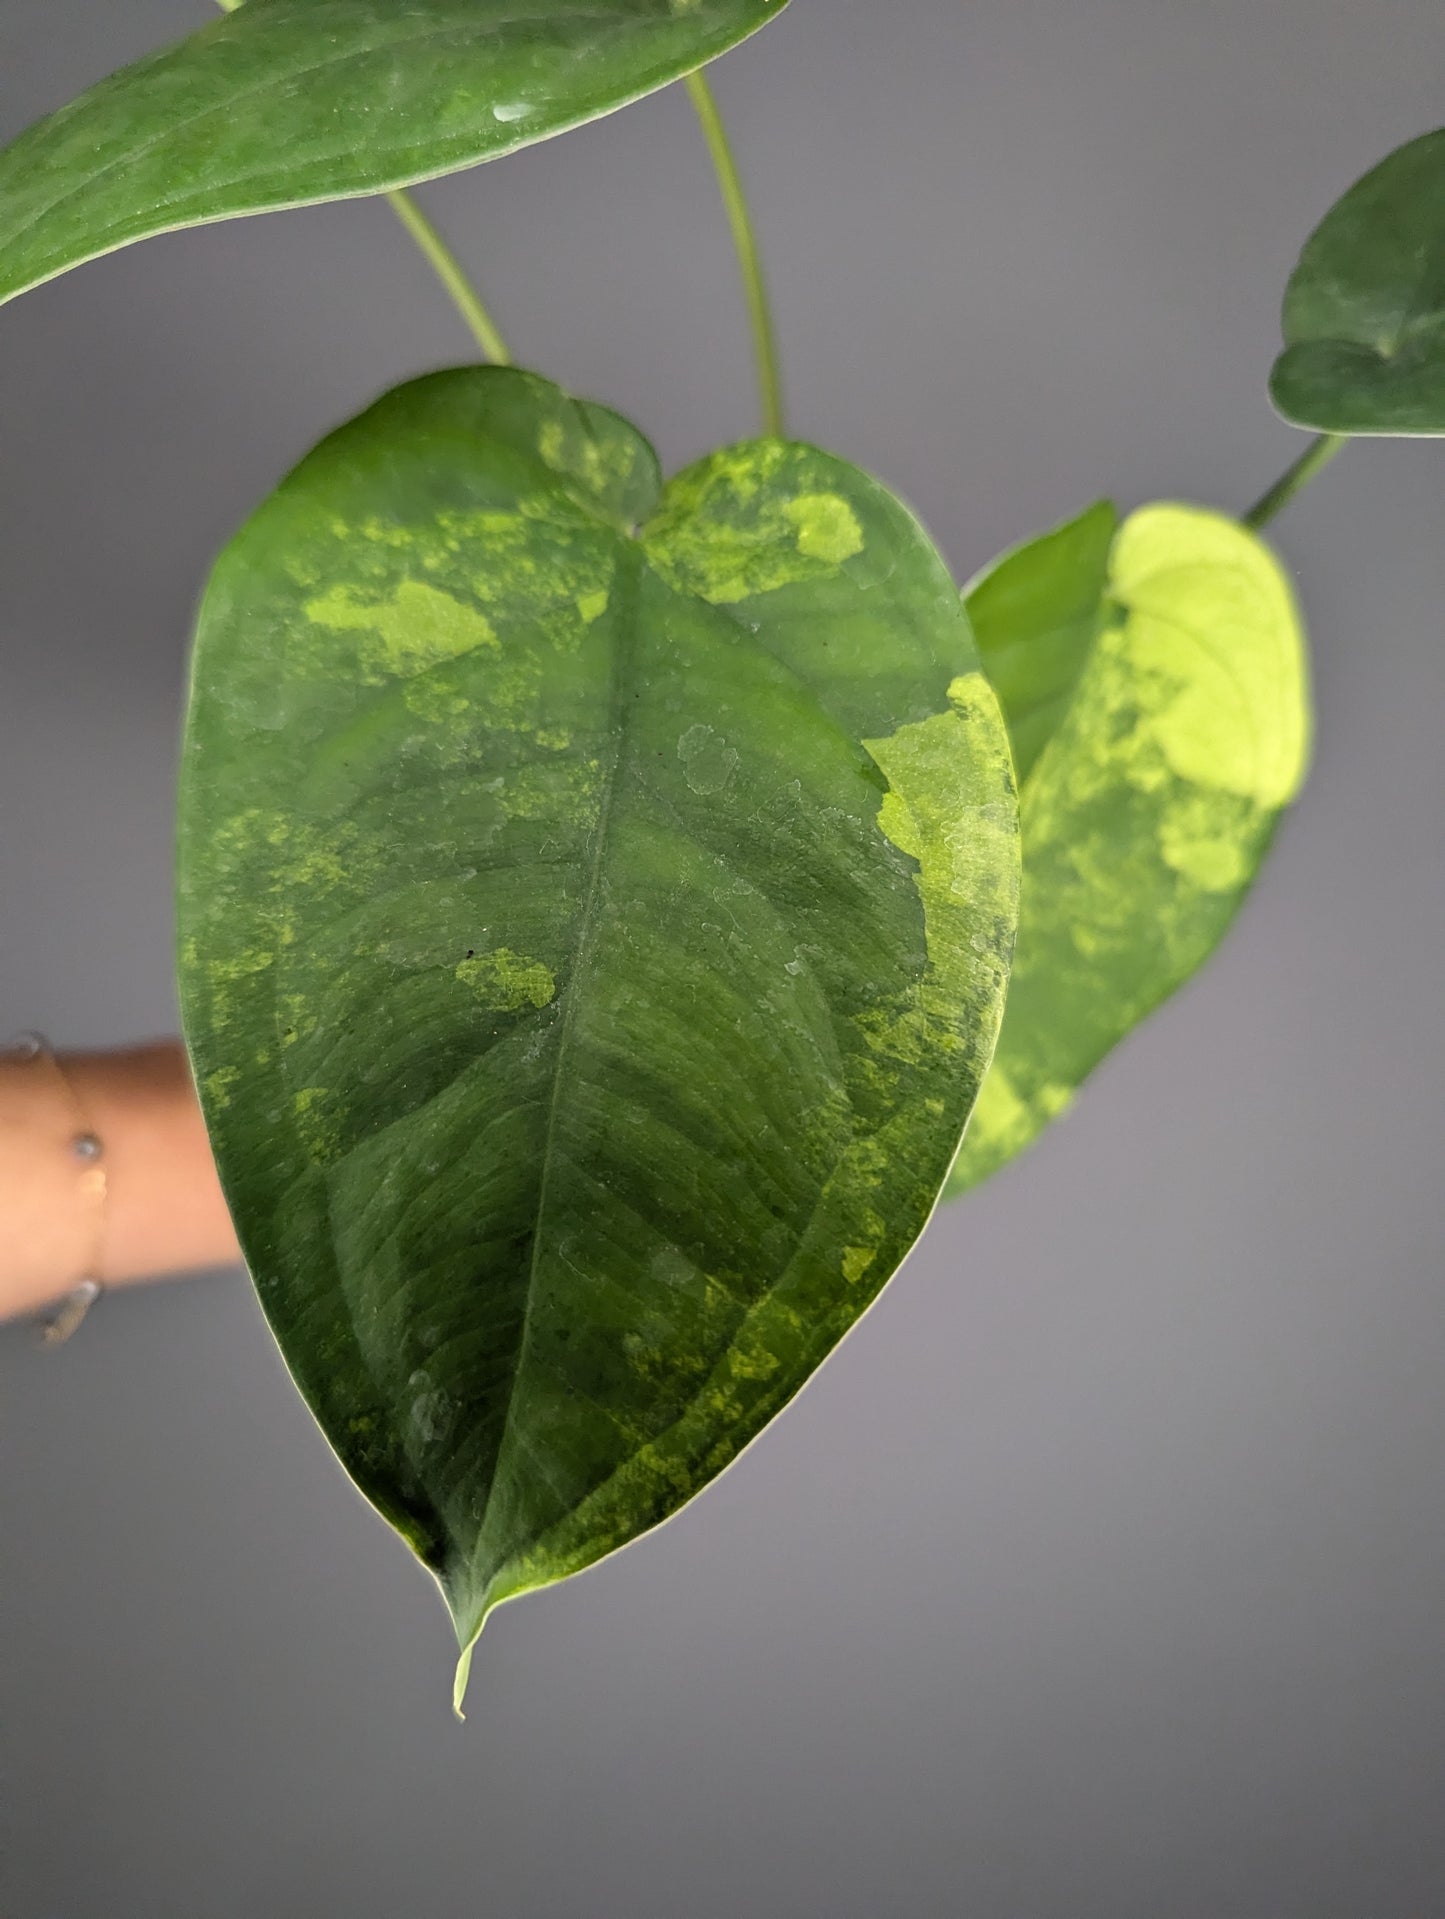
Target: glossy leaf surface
<point>287,102</point>
<point>1364,314</point>
<point>1149,808</point>
<point>592,943</point>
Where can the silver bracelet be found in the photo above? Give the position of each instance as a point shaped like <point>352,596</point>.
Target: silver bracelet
<point>60,1319</point>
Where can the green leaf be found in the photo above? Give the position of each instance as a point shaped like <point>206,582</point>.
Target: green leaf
<point>592,944</point>
<point>1036,613</point>
<point>1148,810</point>
<point>287,102</point>
<point>1364,314</point>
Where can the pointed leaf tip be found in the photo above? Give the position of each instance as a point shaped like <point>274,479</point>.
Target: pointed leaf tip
<point>460,1683</point>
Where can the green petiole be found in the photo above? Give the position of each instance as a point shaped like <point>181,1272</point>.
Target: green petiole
<point>765,346</point>
<point>1316,456</point>
<point>441,260</point>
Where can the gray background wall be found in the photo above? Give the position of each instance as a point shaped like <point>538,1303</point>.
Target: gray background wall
<point>1102,1572</point>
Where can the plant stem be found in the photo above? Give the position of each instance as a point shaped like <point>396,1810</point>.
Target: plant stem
<point>1316,456</point>
<point>745,239</point>
<point>443,262</point>
<point>447,269</point>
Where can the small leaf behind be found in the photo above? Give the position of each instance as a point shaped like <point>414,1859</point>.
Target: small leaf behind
<point>1364,313</point>
<point>1148,810</point>
<point>288,102</point>
<point>1036,613</point>
<point>592,946</point>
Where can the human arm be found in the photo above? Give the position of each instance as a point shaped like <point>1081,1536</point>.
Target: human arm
<point>161,1211</point>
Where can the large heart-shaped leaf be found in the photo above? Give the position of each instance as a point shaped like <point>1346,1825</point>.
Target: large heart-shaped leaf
<point>286,102</point>
<point>1364,314</point>
<point>1148,809</point>
<point>592,944</point>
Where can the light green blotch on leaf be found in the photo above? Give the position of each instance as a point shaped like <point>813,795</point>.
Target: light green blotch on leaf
<point>733,527</point>
<point>825,526</point>
<point>506,982</point>
<point>966,851</point>
<point>931,812</point>
<point>1209,609</point>
<point>317,1127</point>
<point>1198,845</point>
<point>439,705</point>
<point>418,626</point>
<point>560,789</point>
<point>856,1261</point>
<point>751,1360</point>
<point>1003,1124</point>
<point>294,1008</point>
<point>219,1084</point>
<point>602,463</point>
<point>225,975</point>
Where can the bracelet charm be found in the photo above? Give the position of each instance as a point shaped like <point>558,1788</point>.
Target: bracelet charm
<point>58,1321</point>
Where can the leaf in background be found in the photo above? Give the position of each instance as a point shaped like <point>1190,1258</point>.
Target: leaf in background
<point>1364,313</point>
<point>591,947</point>
<point>1036,613</point>
<point>1146,814</point>
<point>286,102</point>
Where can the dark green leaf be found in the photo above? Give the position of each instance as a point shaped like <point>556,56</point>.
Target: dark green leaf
<point>1364,315</point>
<point>1036,614</point>
<point>591,947</point>
<point>292,101</point>
<point>1147,812</point>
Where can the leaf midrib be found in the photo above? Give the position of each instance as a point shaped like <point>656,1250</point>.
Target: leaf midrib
<point>623,646</point>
